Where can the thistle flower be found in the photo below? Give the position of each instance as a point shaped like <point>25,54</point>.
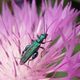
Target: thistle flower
<point>58,55</point>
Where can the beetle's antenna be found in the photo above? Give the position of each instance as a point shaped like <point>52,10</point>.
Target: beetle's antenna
<point>50,25</point>
<point>43,15</point>
<point>45,25</point>
<point>30,37</point>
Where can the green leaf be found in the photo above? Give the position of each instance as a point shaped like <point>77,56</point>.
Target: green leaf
<point>59,74</point>
<point>55,40</point>
<point>63,50</point>
<point>76,49</point>
<point>75,78</point>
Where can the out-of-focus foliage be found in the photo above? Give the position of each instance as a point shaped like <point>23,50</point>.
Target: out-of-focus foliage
<point>75,3</point>
<point>0,5</point>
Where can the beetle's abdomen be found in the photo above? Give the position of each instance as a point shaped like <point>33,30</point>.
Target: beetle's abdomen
<point>30,51</point>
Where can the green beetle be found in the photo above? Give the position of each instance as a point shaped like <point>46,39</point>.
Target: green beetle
<point>31,50</point>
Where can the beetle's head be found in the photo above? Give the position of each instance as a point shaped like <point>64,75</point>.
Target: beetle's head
<point>41,38</point>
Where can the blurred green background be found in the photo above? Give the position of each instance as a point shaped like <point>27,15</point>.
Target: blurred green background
<point>75,4</point>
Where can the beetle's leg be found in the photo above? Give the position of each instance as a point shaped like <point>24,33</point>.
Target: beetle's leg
<point>25,49</point>
<point>38,36</point>
<point>42,51</point>
<point>46,41</point>
<point>42,48</point>
<point>27,66</point>
<point>43,42</point>
<point>29,61</point>
<point>49,41</point>
<point>33,57</point>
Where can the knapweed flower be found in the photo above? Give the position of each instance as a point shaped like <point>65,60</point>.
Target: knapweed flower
<point>58,57</point>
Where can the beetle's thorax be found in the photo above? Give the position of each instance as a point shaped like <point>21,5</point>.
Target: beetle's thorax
<point>41,38</point>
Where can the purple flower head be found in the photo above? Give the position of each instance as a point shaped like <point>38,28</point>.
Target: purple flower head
<point>59,55</point>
